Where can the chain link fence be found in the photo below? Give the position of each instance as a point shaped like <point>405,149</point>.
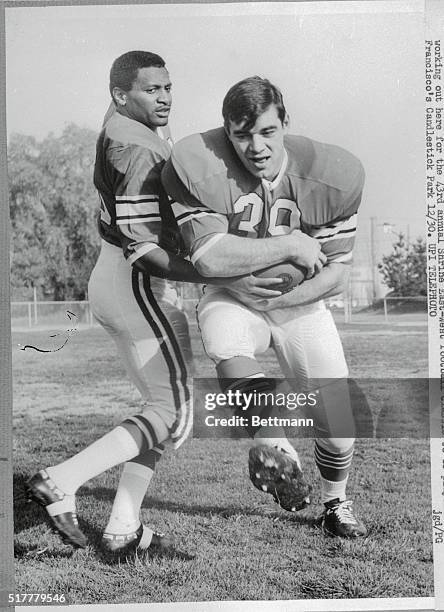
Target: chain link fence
<point>71,314</point>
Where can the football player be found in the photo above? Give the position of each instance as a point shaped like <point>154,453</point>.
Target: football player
<point>236,189</point>
<point>131,298</point>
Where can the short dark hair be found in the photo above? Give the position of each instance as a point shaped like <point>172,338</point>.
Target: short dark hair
<point>249,98</point>
<point>125,68</point>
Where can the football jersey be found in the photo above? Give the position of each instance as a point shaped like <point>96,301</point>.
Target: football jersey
<point>318,190</point>
<point>135,213</point>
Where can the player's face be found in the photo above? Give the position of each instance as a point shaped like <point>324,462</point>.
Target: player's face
<point>149,100</point>
<point>261,148</point>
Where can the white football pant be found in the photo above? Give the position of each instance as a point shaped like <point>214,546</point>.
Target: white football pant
<point>151,333</point>
<point>307,345</point>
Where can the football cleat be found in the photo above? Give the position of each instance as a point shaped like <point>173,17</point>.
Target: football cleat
<point>127,544</point>
<point>274,472</point>
<point>338,520</point>
<point>42,490</point>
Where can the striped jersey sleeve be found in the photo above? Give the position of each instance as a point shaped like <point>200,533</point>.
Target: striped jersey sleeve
<point>138,194</point>
<point>337,236</point>
<point>200,226</point>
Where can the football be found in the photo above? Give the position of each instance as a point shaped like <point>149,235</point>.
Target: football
<point>291,274</point>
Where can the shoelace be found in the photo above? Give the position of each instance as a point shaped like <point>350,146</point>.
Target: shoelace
<point>344,512</point>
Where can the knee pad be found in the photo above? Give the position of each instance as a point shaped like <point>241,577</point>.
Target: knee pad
<point>238,368</point>
<point>253,392</point>
<point>243,374</point>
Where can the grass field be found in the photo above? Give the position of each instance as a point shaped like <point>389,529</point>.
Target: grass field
<point>239,545</point>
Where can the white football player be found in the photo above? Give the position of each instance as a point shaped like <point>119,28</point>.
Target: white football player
<point>238,189</point>
<point>130,296</point>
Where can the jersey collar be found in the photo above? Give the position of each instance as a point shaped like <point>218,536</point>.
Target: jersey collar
<point>165,135</point>
<point>270,185</point>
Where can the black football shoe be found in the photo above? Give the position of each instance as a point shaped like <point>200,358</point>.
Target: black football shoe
<point>42,490</point>
<point>338,520</point>
<point>274,472</point>
<point>128,544</point>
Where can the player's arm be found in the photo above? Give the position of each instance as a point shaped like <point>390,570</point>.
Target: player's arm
<point>331,280</point>
<point>217,253</point>
<point>337,241</point>
<point>163,264</point>
<point>139,197</point>
<point>231,254</point>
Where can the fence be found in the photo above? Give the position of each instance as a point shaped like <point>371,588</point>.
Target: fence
<point>391,309</point>
<point>408,302</point>
<point>349,309</point>
<point>70,314</point>
<point>49,314</point>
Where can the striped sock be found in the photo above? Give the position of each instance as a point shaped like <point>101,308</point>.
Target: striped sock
<point>334,469</point>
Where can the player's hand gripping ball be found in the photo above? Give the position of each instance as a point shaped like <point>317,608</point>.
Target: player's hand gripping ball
<point>291,274</point>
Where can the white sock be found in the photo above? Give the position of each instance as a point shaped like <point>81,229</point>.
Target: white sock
<point>132,487</point>
<point>113,448</point>
<point>332,490</point>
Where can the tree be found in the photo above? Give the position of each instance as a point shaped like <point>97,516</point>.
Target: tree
<point>53,206</point>
<point>404,269</point>
<point>29,218</point>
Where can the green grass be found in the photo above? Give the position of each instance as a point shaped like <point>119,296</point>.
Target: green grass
<point>243,546</point>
